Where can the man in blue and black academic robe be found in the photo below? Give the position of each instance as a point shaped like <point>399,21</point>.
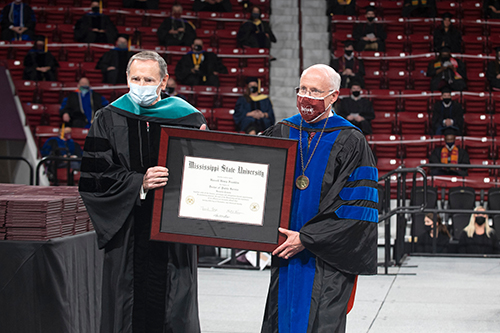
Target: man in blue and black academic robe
<point>148,286</point>
<point>332,236</point>
<point>18,21</point>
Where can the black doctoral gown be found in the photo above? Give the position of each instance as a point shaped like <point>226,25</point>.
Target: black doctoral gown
<point>440,113</point>
<point>451,38</point>
<point>337,217</point>
<point>491,74</point>
<point>210,64</point>
<point>363,107</point>
<point>148,286</point>
<point>362,29</point>
<point>181,39</point>
<point>84,26</point>
<point>36,59</point>
<point>252,35</point>
<point>117,58</point>
<point>28,18</point>
<point>356,65</point>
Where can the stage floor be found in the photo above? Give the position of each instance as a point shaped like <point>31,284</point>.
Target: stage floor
<point>427,294</point>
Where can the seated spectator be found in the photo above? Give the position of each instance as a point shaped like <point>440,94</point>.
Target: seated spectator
<point>419,8</point>
<point>40,64</point>
<point>113,63</point>
<point>424,241</point>
<point>493,72</point>
<point>349,66</point>
<point>78,109</point>
<point>449,154</point>
<point>212,6</point>
<point>199,67</point>
<point>447,71</point>
<point>95,27</point>
<point>341,7</point>
<point>141,4</point>
<point>171,89</point>
<point>478,237</point>
<point>175,30</point>
<point>255,32</point>
<point>493,10</point>
<point>448,35</point>
<point>447,114</point>
<point>356,109</point>
<point>369,36</point>
<point>253,112</point>
<point>18,21</point>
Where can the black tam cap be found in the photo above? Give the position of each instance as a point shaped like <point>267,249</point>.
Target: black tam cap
<point>497,49</point>
<point>123,35</point>
<point>348,43</point>
<point>450,131</point>
<point>354,83</point>
<point>447,15</point>
<point>445,49</point>
<point>39,38</point>
<point>445,89</point>
<point>251,79</point>
<point>370,9</point>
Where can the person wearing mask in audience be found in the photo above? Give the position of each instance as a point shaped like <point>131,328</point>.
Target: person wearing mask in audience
<point>17,21</point>
<point>478,237</point>
<point>223,6</point>
<point>113,63</point>
<point>171,89</point>
<point>63,146</point>
<point>369,36</point>
<point>255,32</point>
<point>341,7</point>
<point>493,72</point>
<point>40,64</point>
<point>175,30</point>
<point>349,66</point>
<point>419,8</point>
<point>447,114</point>
<point>78,109</point>
<point>95,27</point>
<point>447,71</point>
<point>449,154</point>
<point>199,67</point>
<point>493,10</point>
<point>424,241</point>
<point>448,35</point>
<point>141,4</point>
<point>253,112</point>
<point>356,109</point>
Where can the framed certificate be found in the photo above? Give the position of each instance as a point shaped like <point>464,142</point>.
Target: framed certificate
<point>224,189</point>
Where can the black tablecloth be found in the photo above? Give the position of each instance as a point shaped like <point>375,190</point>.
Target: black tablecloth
<point>50,286</point>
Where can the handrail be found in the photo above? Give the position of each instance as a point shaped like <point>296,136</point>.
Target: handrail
<point>56,158</point>
<point>20,158</point>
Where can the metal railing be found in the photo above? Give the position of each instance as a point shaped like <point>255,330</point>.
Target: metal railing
<point>59,159</point>
<point>20,158</point>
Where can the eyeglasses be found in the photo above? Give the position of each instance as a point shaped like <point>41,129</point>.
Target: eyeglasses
<point>313,92</point>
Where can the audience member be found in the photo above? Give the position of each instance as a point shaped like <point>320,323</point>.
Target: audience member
<point>348,66</point>
<point>449,154</point>
<point>78,109</point>
<point>424,241</point>
<point>493,72</point>
<point>172,89</point>
<point>369,36</point>
<point>253,112</point>
<point>18,21</point>
<point>341,7</point>
<point>419,8</point>
<point>255,32</point>
<point>141,4</point>
<point>356,109</point>
<point>113,63</point>
<point>95,27</point>
<point>493,10</point>
<point>478,237</point>
<point>447,71</point>
<point>199,67</point>
<point>448,35</point>
<point>175,30</point>
<point>212,6</point>
<point>447,114</point>
<point>40,64</point>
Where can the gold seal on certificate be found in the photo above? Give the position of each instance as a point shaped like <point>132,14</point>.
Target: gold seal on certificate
<point>223,190</point>
<point>302,182</point>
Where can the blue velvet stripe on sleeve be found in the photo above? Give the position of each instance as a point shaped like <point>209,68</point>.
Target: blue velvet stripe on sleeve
<point>357,213</point>
<point>359,193</point>
<point>364,172</point>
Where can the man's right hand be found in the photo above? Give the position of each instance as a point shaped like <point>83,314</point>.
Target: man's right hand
<point>66,118</point>
<point>111,68</point>
<point>155,177</point>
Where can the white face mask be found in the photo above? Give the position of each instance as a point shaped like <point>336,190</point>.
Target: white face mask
<point>143,95</point>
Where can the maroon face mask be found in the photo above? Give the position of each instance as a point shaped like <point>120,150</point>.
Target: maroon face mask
<point>311,108</point>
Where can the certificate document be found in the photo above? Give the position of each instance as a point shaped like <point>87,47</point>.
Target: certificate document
<point>223,190</point>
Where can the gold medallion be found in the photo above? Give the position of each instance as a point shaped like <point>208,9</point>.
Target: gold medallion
<point>302,182</point>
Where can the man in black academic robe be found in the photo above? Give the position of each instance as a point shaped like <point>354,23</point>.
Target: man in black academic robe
<point>450,153</point>
<point>39,64</point>
<point>447,114</point>
<point>349,66</point>
<point>419,8</point>
<point>369,36</point>
<point>341,7</point>
<point>356,109</point>
<point>199,67</point>
<point>255,32</point>
<point>493,71</point>
<point>113,63</point>
<point>446,70</point>
<point>332,236</point>
<point>223,6</point>
<point>18,21</point>
<point>148,286</point>
<point>174,30</point>
<point>448,35</point>
<point>95,27</point>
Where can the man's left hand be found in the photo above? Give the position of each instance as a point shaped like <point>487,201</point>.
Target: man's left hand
<point>291,246</point>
